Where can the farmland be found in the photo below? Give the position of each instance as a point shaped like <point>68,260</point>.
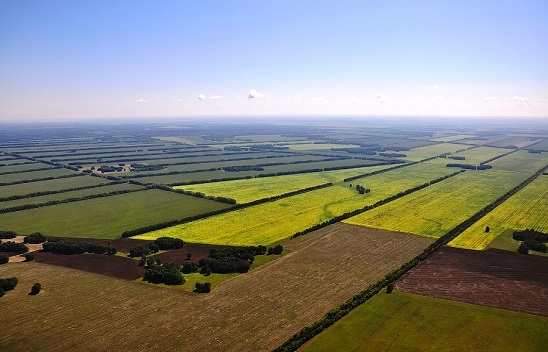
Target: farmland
<point>429,151</point>
<point>408,322</point>
<point>521,161</point>
<point>22,189</point>
<point>108,217</point>
<point>434,211</point>
<point>527,209</point>
<point>273,221</point>
<point>248,190</point>
<point>327,267</point>
<point>492,278</point>
<point>481,154</point>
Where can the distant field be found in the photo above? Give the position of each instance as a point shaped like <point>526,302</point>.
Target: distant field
<point>521,161</point>
<point>50,185</point>
<point>273,221</point>
<point>527,209</point>
<point>408,322</point>
<point>514,141</point>
<point>31,175</point>
<point>434,211</point>
<point>107,217</point>
<point>21,168</point>
<point>68,195</point>
<point>452,138</point>
<point>480,154</point>
<point>541,146</point>
<point>220,174</point>
<point>318,146</point>
<point>428,151</point>
<point>248,190</point>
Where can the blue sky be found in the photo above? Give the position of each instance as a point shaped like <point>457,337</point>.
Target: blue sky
<point>81,59</point>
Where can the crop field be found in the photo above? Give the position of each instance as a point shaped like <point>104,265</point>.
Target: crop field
<point>514,142</point>
<point>326,267</point>
<point>543,145</point>
<point>22,167</point>
<point>248,190</point>
<point>527,209</point>
<point>50,185</point>
<point>480,154</point>
<point>452,138</point>
<point>68,195</point>
<point>522,161</point>
<point>206,176</point>
<point>32,175</point>
<point>108,217</point>
<point>273,221</point>
<point>408,322</point>
<point>493,278</point>
<point>318,146</point>
<point>435,210</point>
<point>429,151</point>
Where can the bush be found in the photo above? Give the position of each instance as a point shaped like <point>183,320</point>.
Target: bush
<point>8,284</point>
<point>35,238</point>
<point>165,243</point>
<point>29,257</point>
<point>276,250</point>
<point>4,259</point>
<point>523,249</point>
<point>487,229</point>
<point>143,251</point>
<point>7,235</point>
<point>189,267</point>
<point>35,289</point>
<point>168,274</point>
<point>202,287</point>
<point>13,247</point>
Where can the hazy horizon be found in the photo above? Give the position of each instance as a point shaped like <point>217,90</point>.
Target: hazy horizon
<point>67,61</point>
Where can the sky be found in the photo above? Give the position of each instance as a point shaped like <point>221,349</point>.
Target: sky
<point>71,60</point>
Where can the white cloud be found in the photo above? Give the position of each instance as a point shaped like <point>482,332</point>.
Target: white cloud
<point>520,99</point>
<point>202,97</point>
<point>215,97</point>
<point>253,94</point>
<point>140,100</point>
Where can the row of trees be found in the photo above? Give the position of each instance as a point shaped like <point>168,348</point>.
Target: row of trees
<point>68,248</point>
<point>470,166</point>
<point>531,240</point>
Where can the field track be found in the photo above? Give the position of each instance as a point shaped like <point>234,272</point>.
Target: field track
<point>252,312</point>
<point>492,278</point>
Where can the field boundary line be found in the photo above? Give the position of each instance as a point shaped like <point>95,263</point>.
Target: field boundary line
<point>46,193</point>
<point>307,333</point>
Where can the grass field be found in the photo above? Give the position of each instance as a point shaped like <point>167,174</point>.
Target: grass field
<point>319,146</point>
<point>50,185</point>
<point>521,161</point>
<point>31,175</point>
<point>434,211</point>
<point>107,217</point>
<point>273,221</point>
<point>413,323</point>
<point>22,168</point>
<point>248,190</point>
<point>428,151</point>
<point>480,154</point>
<point>527,209</point>
<point>68,195</point>
<point>452,138</point>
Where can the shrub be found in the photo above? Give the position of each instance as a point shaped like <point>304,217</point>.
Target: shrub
<point>168,274</point>
<point>35,238</point>
<point>35,289</point>
<point>8,284</point>
<point>390,288</point>
<point>276,250</point>
<point>68,248</point>
<point>143,251</point>
<point>202,287</point>
<point>523,249</point>
<point>189,267</point>
<point>487,229</point>
<point>4,259</point>
<point>29,257</point>
<point>165,243</point>
<point>7,235</point>
<point>13,247</point>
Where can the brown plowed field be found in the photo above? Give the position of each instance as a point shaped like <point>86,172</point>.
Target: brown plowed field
<point>493,278</point>
<point>110,265</point>
<point>256,311</point>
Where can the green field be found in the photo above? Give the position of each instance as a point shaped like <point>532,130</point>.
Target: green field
<point>22,167</point>
<point>434,211</point>
<point>32,175</point>
<point>452,138</point>
<point>413,323</point>
<point>319,146</point>
<point>527,209</point>
<point>107,217</point>
<point>204,176</point>
<point>428,151</point>
<point>521,161</point>
<point>50,185</point>
<point>248,190</point>
<point>68,195</point>
<point>480,154</point>
<point>273,221</point>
